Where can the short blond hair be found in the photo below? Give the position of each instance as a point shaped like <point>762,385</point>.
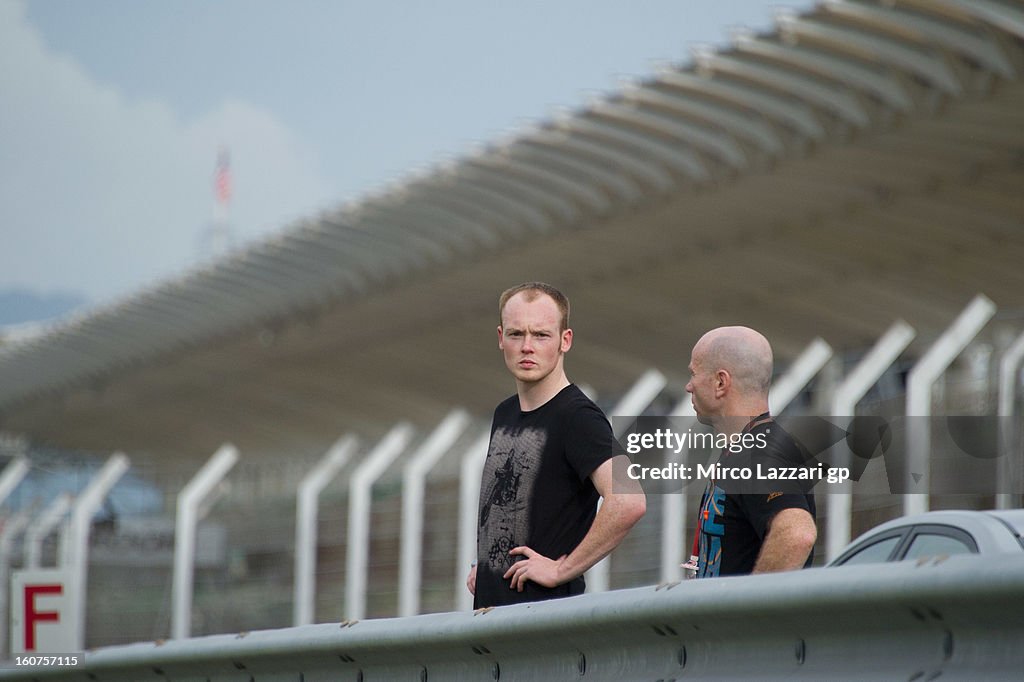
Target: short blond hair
<point>533,290</point>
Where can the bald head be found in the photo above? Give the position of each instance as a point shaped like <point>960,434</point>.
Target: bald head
<point>742,352</point>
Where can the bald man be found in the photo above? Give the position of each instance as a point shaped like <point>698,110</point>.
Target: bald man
<point>747,526</point>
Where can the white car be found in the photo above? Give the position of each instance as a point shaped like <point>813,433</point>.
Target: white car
<point>938,533</point>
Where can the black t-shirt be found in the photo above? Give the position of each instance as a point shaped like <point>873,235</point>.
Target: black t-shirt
<point>734,514</point>
<point>536,490</point>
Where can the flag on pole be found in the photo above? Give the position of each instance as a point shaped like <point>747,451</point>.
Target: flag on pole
<point>222,178</point>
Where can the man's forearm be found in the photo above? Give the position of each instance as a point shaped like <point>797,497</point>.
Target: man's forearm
<point>788,543</point>
<point>617,515</point>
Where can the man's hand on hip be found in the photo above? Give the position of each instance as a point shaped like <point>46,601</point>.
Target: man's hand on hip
<point>535,567</point>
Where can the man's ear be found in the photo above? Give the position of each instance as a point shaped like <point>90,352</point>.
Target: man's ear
<point>566,340</point>
<point>501,339</point>
<point>723,382</point>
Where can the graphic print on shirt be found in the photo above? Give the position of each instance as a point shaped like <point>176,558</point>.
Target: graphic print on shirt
<point>712,532</point>
<point>510,472</point>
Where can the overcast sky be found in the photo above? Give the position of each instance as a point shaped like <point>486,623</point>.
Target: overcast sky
<point>112,111</point>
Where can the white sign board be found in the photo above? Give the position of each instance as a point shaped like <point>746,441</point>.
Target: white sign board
<point>42,612</point>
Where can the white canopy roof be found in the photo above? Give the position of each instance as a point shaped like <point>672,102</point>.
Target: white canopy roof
<point>862,162</point>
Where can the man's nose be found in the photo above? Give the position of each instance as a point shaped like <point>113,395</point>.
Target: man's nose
<point>527,343</point>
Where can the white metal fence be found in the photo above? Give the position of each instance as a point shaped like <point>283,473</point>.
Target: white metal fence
<point>387,528</point>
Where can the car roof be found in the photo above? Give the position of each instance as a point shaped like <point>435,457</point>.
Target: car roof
<point>993,530</point>
<point>1014,517</point>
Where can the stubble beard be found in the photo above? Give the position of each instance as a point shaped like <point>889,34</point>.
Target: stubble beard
<point>534,377</point>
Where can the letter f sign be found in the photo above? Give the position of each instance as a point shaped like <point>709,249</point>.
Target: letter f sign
<point>32,616</point>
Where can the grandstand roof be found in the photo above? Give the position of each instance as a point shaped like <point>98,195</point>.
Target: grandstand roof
<point>860,163</point>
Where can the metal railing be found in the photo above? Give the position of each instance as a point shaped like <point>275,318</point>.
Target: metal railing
<point>961,618</point>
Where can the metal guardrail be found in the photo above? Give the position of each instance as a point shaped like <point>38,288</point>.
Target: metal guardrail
<point>958,618</point>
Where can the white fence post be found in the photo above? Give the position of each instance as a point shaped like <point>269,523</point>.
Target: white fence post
<point>359,501</point>
<point>12,528</point>
<point>803,369</point>
<point>42,527</point>
<point>12,475</point>
<point>471,470</point>
<point>413,491</point>
<point>919,397</point>
<point>844,404</point>
<point>308,500</point>
<point>636,400</point>
<point>190,500</point>
<point>1009,367</point>
<point>75,554</point>
<point>673,523</point>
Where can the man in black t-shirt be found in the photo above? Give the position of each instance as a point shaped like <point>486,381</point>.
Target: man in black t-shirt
<point>548,462</point>
<point>747,526</point>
